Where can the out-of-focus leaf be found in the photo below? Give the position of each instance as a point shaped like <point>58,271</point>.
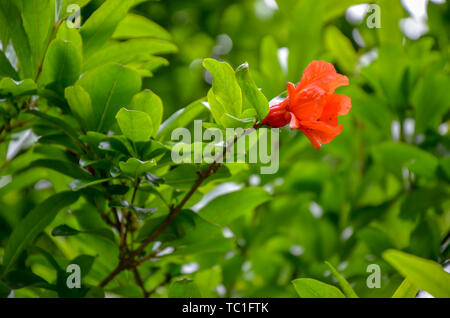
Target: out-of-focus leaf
<point>183,176</point>
<point>101,24</point>
<point>182,118</point>
<point>395,156</point>
<point>431,100</point>
<point>184,288</point>
<point>35,222</point>
<point>311,288</point>
<point>64,230</point>
<point>405,290</point>
<point>64,167</point>
<point>390,13</point>
<point>225,208</point>
<point>189,234</point>
<point>9,86</point>
<point>304,36</point>
<point>24,277</point>
<point>132,51</point>
<point>345,286</point>
<point>4,290</point>
<point>341,48</point>
<point>273,80</point>
<point>6,68</point>
<point>10,14</point>
<point>335,8</point>
<point>419,201</point>
<point>425,274</point>
<point>137,26</point>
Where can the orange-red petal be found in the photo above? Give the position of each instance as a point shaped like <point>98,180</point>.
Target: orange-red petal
<point>322,74</point>
<point>322,131</point>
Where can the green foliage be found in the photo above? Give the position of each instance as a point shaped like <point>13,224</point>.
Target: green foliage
<point>423,273</point>
<point>87,176</point>
<point>311,288</point>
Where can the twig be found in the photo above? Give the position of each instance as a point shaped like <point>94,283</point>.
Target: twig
<point>140,282</point>
<point>175,211</point>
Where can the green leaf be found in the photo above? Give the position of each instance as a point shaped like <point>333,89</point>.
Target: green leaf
<point>311,288</point>
<point>110,86</point>
<point>135,124</point>
<point>335,8</point>
<point>184,176</point>
<point>38,19</point>
<point>148,102</point>
<point>81,106</point>
<point>394,156</point>
<point>9,86</point>
<point>137,26</point>
<point>4,290</point>
<point>341,48</point>
<point>100,26</point>
<point>58,123</point>
<point>12,21</point>
<point>225,95</point>
<point>189,234</point>
<point>34,223</point>
<point>431,100</point>
<point>21,278</point>
<point>72,35</point>
<point>406,290</point>
<point>47,255</point>
<point>128,52</point>
<point>85,262</point>
<point>64,230</point>
<point>183,118</point>
<point>304,36</point>
<point>390,14</point>
<point>273,80</point>
<point>425,274</point>
<point>6,68</point>
<point>345,286</point>
<point>184,288</point>
<point>77,185</point>
<point>62,65</point>
<point>252,96</point>
<point>135,167</point>
<point>64,167</point>
<point>226,208</point>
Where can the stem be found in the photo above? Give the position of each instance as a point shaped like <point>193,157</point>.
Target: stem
<point>140,282</point>
<point>113,274</point>
<point>52,34</point>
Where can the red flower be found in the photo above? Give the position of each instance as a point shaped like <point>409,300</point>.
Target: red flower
<point>312,106</point>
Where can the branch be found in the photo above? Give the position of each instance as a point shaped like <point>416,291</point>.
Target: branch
<point>140,282</point>
<point>174,212</point>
